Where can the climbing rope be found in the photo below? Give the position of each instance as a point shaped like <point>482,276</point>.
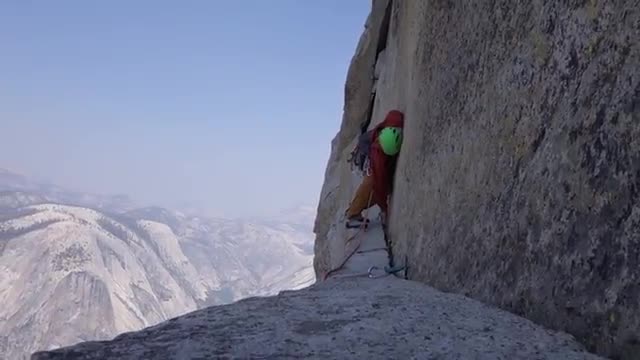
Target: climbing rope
<point>387,271</point>
<point>372,250</point>
<point>371,272</point>
<point>362,227</point>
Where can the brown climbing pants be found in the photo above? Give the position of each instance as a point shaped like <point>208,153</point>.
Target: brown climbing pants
<point>363,199</point>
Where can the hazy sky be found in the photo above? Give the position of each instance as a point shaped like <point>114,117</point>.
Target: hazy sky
<point>227,104</point>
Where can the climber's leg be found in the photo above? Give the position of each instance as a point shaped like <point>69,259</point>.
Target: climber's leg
<point>361,201</point>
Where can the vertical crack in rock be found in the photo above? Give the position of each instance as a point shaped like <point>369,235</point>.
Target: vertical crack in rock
<point>519,176</point>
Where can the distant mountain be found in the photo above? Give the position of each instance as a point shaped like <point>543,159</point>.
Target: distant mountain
<point>15,199</point>
<point>10,181</point>
<point>75,273</point>
<point>298,220</point>
<point>14,181</point>
<point>302,216</point>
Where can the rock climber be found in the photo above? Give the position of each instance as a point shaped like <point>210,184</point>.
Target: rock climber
<point>376,155</point>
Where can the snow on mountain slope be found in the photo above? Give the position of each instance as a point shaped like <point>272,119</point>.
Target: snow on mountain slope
<point>62,271</point>
<point>70,274</point>
<point>245,257</point>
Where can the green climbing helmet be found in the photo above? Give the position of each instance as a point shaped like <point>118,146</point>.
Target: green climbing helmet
<point>390,139</point>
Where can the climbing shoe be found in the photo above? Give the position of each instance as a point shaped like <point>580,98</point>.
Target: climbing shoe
<point>356,222</point>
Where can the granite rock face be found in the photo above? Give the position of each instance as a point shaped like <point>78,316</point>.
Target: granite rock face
<point>519,179</point>
<point>352,318</point>
<point>340,182</point>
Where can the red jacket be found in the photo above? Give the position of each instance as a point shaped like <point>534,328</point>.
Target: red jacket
<point>382,165</point>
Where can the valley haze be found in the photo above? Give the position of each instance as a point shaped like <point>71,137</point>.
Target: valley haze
<point>77,266</point>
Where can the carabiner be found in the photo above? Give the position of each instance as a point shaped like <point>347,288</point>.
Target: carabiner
<point>372,276</point>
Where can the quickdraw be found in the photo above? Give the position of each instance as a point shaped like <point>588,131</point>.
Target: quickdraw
<point>359,156</point>
<point>371,275</point>
<point>387,271</point>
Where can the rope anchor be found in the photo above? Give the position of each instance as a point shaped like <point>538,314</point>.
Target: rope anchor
<point>372,276</point>
<point>387,271</point>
